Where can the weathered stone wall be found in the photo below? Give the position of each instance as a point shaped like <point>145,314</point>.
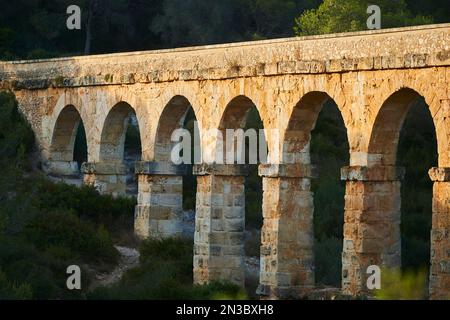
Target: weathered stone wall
<point>219,225</point>
<point>372,76</point>
<point>371,224</point>
<point>160,206</point>
<point>287,238</point>
<point>410,47</point>
<point>106,177</point>
<point>159,210</point>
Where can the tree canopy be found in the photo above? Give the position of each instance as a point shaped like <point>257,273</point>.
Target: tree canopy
<point>334,16</point>
<point>37,28</point>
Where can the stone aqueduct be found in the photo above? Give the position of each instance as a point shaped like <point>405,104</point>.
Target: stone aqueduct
<point>372,76</point>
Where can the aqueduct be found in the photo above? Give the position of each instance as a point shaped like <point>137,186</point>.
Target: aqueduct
<point>373,77</point>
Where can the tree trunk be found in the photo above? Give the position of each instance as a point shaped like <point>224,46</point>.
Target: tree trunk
<point>87,43</point>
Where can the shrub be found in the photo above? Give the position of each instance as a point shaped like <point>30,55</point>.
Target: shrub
<point>87,203</point>
<point>408,285</point>
<point>12,291</point>
<point>66,231</point>
<point>37,273</point>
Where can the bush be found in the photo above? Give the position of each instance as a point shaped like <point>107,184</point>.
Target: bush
<point>10,291</point>
<point>253,243</point>
<point>37,273</point>
<point>114,213</point>
<point>408,285</point>
<point>253,199</point>
<point>65,233</point>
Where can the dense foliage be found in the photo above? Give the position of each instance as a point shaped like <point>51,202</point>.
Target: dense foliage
<point>37,28</point>
<point>351,15</point>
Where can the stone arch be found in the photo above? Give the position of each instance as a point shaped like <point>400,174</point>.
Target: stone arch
<point>297,137</point>
<point>66,102</point>
<point>298,171</point>
<point>172,117</point>
<point>108,172</point>
<point>374,191</point>
<point>235,117</point>
<point>112,141</point>
<point>164,179</point>
<point>60,159</point>
<point>64,133</point>
<point>384,137</point>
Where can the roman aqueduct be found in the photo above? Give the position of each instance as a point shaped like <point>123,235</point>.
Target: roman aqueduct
<point>372,76</point>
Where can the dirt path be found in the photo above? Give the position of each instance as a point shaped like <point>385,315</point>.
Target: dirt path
<point>129,258</point>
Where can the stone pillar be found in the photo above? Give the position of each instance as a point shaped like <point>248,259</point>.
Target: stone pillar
<point>287,237</point>
<point>61,168</point>
<point>106,177</point>
<point>440,235</point>
<point>219,223</point>
<point>371,223</point>
<point>159,210</point>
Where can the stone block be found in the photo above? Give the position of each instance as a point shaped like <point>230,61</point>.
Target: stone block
<point>439,174</point>
<point>166,168</point>
<point>103,168</point>
<point>220,169</point>
<point>297,170</point>
<point>375,173</point>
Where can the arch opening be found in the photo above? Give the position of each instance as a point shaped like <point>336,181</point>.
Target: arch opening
<point>179,115</point>
<point>121,143</point>
<point>317,136</point>
<point>329,152</point>
<point>404,135</point>
<point>68,147</point>
<point>242,114</point>
<point>80,154</point>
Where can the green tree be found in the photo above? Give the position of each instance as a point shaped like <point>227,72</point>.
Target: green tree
<point>334,16</point>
